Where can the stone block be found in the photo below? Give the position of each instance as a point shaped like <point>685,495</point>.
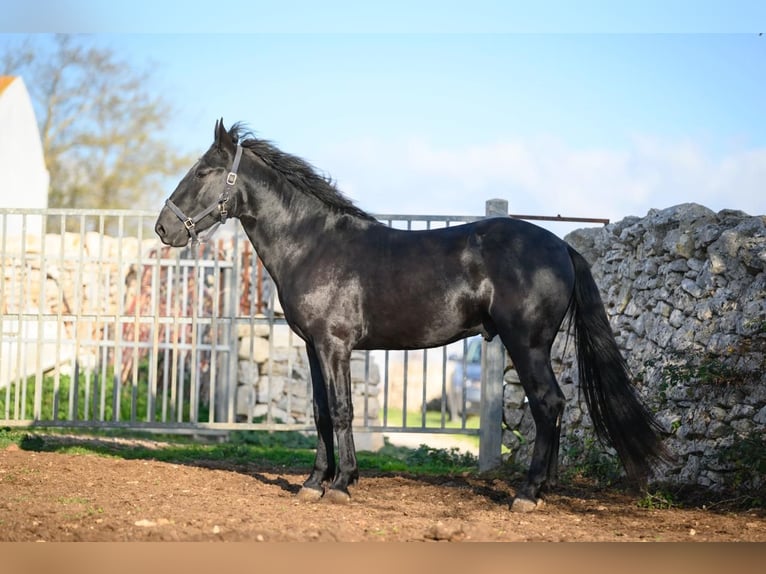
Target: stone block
<point>247,372</point>
<point>373,407</point>
<point>255,348</point>
<point>245,399</point>
<point>361,371</point>
<point>270,388</point>
<point>283,336</point>
<point>252,330</point>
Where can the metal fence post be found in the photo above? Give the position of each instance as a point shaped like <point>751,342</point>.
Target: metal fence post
<point>493,359</point>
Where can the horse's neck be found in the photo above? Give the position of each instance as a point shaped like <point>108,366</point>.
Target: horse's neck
<point>284,234</point>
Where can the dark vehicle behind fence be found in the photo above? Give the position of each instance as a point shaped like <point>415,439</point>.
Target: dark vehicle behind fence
<point>464,391</point>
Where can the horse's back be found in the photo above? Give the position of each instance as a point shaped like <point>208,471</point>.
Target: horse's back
<point>520,251</point>
<point>430,287</point>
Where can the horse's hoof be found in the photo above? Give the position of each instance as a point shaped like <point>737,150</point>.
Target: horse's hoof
<point>337,496</point>
<point>526,504</point>
<point>309,494</point>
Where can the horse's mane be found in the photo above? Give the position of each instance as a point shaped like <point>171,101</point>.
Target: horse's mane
<point>298,172</point>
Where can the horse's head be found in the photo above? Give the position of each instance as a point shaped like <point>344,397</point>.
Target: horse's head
<point>201,199</point>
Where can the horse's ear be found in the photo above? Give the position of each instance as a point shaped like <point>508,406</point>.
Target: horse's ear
<point>221,135</point>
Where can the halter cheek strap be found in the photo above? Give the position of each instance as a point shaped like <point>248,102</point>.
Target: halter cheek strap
<point>190,223</point>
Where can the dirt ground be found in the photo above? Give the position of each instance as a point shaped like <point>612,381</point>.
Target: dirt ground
<point>81,497</point>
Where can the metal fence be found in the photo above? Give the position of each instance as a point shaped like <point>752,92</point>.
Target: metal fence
<point>102,326</point>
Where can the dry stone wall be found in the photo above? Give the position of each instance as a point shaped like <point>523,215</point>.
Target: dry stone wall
<point>685,291</point>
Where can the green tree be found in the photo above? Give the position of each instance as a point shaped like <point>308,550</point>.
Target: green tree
<point>100,124</point>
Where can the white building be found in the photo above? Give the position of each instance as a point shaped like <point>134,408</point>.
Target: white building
<point>23,185</point>
<point>23,176</point>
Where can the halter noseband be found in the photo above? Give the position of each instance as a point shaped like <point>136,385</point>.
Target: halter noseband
<point>190,223</point>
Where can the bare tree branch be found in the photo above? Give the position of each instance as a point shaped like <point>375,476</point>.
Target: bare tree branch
<point>100,125</point>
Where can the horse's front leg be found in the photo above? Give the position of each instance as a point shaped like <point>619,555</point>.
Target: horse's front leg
<point>336,368</point>
<point>324,462</point>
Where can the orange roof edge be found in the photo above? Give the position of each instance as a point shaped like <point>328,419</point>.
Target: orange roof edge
<point>5,81</point>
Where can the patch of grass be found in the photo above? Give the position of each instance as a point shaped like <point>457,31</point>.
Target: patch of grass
<point>68,500</point>
<point>288,439</point>
<point>746,458</point>
<point>284,450</point>
<point>9,436</point>
<point>422,460</point>
<point>93,396</point>
<point>588,460</point>
<point>659,500</point>
<point>433,419</point>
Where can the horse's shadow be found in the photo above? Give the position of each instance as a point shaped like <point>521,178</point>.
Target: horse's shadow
<point>492,487</point>
<point>497,491</point>
<point>280,481</point>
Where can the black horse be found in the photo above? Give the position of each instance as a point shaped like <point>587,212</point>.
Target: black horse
<point>347,281</point>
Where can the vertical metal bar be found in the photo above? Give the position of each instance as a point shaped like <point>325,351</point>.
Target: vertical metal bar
<point>136,354</point>
<point>174,278</point>
<point>366,388</point>
<point>155,352</point>
<point>493,358</point>
<point>74,387</point>
<point>405,379</point>
<point>444,387</point>
<point>182,354</point>
<point>288,377</point>
<point>194,367</point>
<point>118,313</point>
<point>385,388</point>
<point>179,360</point>
<point>21,384</point>
<point>424,399</point>
<point>3,309</point>
<point>87,295</point>
<point>102,304</point>
<point>38,396</point>
<point>270,368</point>
<point>215,309</point>
<point>254,260</point>
<point>59,320</point>
<point>259,284</point>
<point>168,343</point>
<point>232,285</point>
<point>464,387</point>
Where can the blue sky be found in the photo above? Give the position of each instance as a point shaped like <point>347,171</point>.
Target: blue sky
<point>608,110</point>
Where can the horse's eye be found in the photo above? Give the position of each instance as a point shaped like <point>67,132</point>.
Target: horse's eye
<point>202,172</point>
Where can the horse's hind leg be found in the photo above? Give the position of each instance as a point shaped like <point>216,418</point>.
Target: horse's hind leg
<point>324,463</point>
<point>546,402</point>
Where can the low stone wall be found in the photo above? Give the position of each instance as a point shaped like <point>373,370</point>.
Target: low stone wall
<point>273,377</point>
<point>685,291</point>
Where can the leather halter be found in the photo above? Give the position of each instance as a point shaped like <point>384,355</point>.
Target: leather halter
<point>190,223</point>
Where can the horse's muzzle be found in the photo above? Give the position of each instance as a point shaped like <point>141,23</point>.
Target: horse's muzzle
<point>171,240</point>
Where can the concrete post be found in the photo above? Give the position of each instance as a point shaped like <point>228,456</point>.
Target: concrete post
<point>492,365</point>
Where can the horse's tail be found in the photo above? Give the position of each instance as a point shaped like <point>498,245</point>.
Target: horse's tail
<point>619,416</point>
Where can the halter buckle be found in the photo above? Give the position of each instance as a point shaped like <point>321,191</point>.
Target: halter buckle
<point>189,224</point>
<point>231,178</point>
